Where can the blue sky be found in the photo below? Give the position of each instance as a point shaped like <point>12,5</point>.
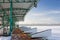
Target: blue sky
<point>47,12</point>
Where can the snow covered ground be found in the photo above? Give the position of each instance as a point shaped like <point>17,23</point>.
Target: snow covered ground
<point>55,33</point>
<point>5,38</point>
<point>9,38</point>
<point>52,38</point>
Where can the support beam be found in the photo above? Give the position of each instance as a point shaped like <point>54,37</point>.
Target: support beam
<point>3,18</point>
<point>7,9</point>
<point>11,19</point>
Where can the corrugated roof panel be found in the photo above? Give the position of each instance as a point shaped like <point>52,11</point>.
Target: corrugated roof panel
<point>20,8</point>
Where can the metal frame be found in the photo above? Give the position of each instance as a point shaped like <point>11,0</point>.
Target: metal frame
<point>18,1</point>
<point>11,17</point>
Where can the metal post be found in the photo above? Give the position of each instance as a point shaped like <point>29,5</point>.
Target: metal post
<point>11,20</point>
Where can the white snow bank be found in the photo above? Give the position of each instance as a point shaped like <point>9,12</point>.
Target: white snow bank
<point>5,38</point>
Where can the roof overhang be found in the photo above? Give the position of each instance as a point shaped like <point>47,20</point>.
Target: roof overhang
<point>20,7</point>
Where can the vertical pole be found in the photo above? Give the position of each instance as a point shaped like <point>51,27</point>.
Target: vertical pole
<point>3,21</point>
<point>11,20</point>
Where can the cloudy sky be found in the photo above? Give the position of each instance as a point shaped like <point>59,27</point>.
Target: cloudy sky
<point>47,11</point>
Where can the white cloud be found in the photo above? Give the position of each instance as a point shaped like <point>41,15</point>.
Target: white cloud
<point>40,18</point>
<point>38,14</point>
<point>54,11</point>
<point>43,20</point>
<point>51,12</point>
